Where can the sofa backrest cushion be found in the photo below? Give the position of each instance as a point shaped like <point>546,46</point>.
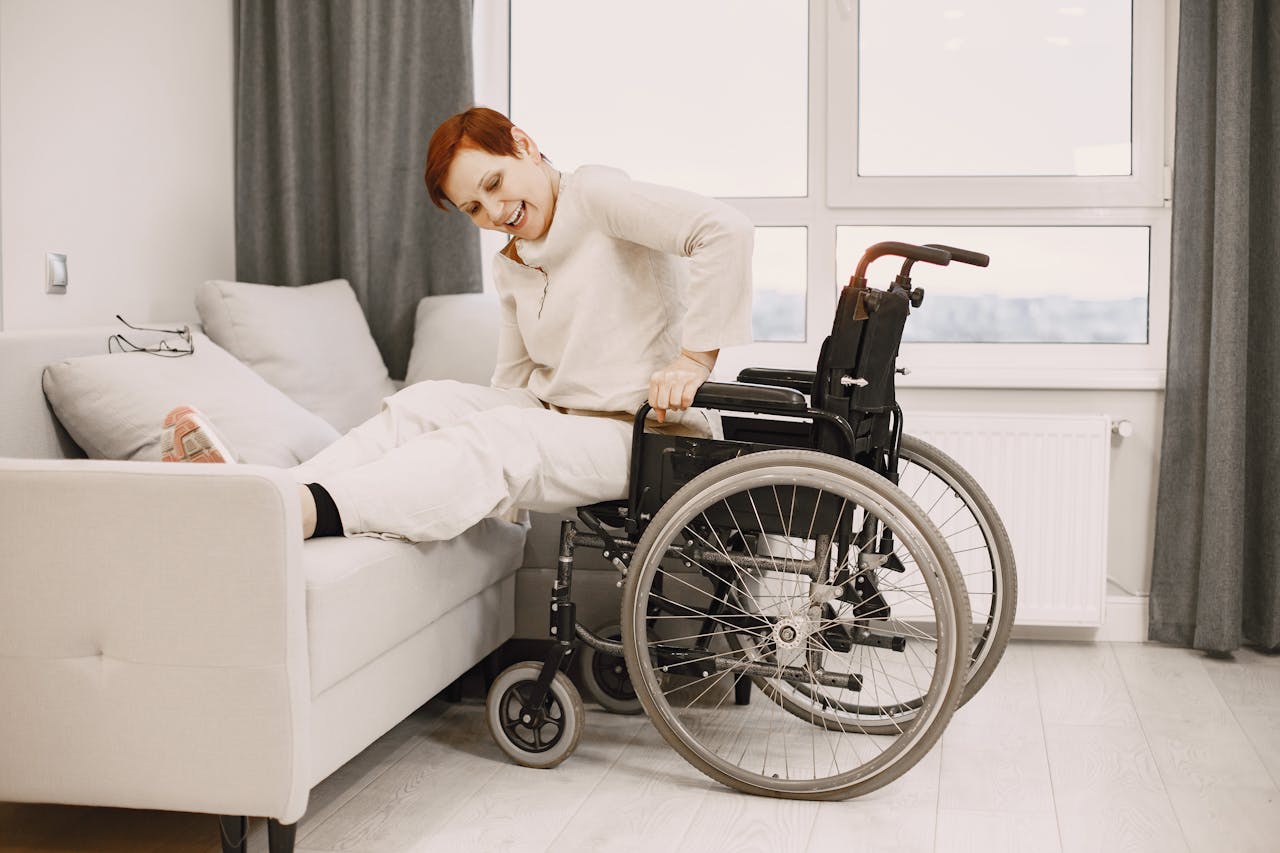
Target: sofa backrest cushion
<point>455,337</point>
<point>113,405</point>
<point>28,427</point>
<point>311,342</point>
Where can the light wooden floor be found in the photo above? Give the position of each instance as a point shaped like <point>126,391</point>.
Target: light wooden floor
<point>1073,747</point>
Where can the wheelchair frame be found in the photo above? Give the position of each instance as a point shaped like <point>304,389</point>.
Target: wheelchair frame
<point>853,415</point>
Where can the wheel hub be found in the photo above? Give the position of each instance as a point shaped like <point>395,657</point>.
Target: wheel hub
<point>789,633</point>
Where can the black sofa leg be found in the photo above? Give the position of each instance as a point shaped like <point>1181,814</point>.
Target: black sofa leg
<point>235,833</point>
<point>489,669</point>
<point>280,836</point>
<point>742,690</point>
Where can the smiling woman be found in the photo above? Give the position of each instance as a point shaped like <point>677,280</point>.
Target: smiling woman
<point>598,319</point>
<point>601,314</point>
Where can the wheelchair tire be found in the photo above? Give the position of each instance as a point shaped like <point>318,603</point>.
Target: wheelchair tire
<point>972,528</point>
<point>540,744</point>
<point>604,676</point>
<point>977,537</point>
<point>688,632</point>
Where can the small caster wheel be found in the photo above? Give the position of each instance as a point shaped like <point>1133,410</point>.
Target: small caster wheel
<point>535,737</point>
<point>605,676</point>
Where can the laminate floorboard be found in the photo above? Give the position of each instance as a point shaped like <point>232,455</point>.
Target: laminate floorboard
<point>1070,747</point>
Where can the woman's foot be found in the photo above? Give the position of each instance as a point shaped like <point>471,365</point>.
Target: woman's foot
<point>187,436</point>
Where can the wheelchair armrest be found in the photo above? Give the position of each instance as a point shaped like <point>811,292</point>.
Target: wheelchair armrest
<point>740,397</point>
<point>801,380</point>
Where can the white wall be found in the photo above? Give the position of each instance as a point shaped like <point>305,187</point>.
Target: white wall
<point>116,148</point>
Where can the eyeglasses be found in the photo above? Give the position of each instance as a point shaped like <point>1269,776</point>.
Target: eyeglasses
<point>164,349</point>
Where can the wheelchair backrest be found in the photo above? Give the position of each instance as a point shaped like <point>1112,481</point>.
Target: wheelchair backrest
<point>855,373</point>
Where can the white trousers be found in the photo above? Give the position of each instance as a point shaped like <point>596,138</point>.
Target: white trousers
<point>443,455</point>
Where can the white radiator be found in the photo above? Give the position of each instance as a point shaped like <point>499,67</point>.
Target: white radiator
<point>1048,478</point>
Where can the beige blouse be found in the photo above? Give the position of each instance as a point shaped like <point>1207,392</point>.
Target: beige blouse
<point>627,274</point>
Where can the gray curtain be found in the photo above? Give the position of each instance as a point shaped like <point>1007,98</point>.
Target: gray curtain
<point>1217,547</point>
<point>335,102</point>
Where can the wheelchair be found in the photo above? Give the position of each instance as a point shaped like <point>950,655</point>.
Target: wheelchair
<point>854,576</point>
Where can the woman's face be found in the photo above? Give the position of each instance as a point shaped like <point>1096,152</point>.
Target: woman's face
<point>514,195</point>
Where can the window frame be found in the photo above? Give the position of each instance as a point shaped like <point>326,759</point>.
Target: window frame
<point>1142,188</point>
<point>1138,199</point>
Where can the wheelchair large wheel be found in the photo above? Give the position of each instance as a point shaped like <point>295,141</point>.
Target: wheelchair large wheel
<point>770,565</point>
<point>973,530</point>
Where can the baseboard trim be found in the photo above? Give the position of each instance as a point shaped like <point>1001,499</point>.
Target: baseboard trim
<point>1125,622</point>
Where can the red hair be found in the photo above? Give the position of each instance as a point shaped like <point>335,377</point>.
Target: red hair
<point>478,127</point>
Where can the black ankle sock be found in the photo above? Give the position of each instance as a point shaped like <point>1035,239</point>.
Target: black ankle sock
<point>328,521</point>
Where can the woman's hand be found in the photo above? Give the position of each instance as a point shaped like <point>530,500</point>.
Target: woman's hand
<point>672,388</point>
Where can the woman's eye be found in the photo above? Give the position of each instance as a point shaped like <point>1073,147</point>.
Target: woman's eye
<point>494,184</point>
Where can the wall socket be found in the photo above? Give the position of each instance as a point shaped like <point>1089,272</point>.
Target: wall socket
<point>55,273</point>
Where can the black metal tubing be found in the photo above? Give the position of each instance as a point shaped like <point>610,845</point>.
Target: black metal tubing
<point>562,618</point>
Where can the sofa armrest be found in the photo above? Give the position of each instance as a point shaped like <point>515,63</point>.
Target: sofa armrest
<point>153,649</point>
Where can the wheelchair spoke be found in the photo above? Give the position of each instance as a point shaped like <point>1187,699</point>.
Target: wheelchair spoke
<point>724,552</point>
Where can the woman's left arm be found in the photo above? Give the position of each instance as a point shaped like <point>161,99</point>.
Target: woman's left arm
<point>717,240</point>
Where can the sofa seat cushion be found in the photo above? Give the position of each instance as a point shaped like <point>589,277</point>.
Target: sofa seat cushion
<point>366,595</point>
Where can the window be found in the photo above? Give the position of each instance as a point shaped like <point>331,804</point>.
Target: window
<point>778,272</point>
<point>1054,100</point>
<point>1032,130</point>
<point>672,91</point>
<point>1048,284</point>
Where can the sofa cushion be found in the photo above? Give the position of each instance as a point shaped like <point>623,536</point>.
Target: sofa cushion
<point>366,595</point>
<point>311,342</point>
<point>455,336</point>
<point>113,405</point>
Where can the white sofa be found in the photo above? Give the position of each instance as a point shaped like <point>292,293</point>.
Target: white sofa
<point>167,641</point>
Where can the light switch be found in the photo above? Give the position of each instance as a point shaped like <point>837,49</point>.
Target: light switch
<point>55,273</point>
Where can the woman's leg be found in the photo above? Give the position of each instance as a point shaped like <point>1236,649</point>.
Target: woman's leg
<point>440,483</point>
<point>413,411</point>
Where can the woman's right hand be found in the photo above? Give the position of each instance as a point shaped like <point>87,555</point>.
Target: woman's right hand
<point>673,387</point>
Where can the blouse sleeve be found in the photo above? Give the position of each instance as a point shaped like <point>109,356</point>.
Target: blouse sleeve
<point>514,367</point>
<point>716,238</point>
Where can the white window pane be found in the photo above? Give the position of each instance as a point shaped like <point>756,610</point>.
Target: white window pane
<point>1085,284</point>
<point>710,96</point>
<point>994,87</point>
<point>779,272</point>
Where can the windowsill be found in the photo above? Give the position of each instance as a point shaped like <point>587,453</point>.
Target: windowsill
<point>1019,370</point>
<point>1058,379</point>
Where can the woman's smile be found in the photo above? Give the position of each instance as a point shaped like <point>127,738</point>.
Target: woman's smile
<point>517,218</point>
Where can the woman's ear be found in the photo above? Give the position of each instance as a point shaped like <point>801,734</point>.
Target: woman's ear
<point>525,146</point>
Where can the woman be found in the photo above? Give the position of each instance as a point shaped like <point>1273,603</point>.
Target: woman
<point>599,314</point>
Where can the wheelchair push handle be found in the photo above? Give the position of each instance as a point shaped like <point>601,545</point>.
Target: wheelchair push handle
<point>964,256</point>
<point>928,254</point>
